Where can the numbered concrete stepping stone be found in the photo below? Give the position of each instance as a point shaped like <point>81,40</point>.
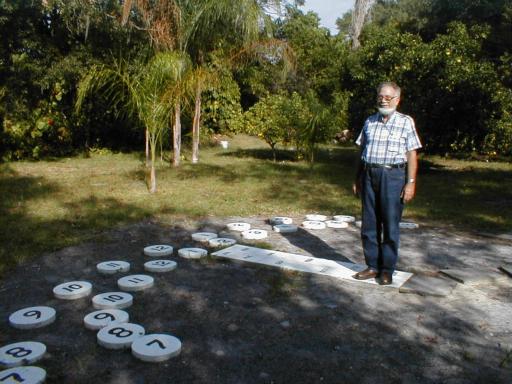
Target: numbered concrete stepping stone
<point>23,352</point>
<point>254,234</point>
<point>160,266</point>
<point>278,220</point>
<point>221,242</point>
<point>240,227</point>
<point>204,237</point>
<point>315,217</point>
<point>192,253</point>
<point>113,267</point>
<point>112,300</point>
<point>408,225</point>
<point>313,224</point>
<point>32,317</point>
<point>72,290</point>
<point>285,228</point>
<point>345,218</point>
<point>336,224</point>
<point>25,375</point>
<point>135,282</point>
<point>156,347</point>
<point>119,336</point>
<point>359,223</point>
<point>158,250</point>
<point>100,319</point>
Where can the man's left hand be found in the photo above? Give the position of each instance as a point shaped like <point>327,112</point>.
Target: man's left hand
<point>408,192</point>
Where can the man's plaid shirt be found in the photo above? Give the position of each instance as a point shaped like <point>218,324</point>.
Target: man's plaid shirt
<point>388,143</point>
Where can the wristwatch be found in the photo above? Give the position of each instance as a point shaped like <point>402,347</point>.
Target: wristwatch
<point>411,180</point>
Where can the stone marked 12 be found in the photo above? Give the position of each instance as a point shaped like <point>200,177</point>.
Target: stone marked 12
<point>192,253</point>
<point>135,282</point>
<point>160,265</point>
<point>32,317</point>
<point>119,336</point>
<point>72,290</point>
<point>113,267</point>
<point>112,300</point>
<point>156,347</point>
<point>203,237</point>
<point>99,319</point>
<point>25,375</point>
<point>23,352</point>
<point>158,250</point>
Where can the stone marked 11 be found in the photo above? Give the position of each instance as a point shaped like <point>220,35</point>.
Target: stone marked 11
<point>32,317</point>
<point>135,282</point>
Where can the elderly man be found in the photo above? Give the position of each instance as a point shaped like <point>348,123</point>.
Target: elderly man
<point>386,179</point>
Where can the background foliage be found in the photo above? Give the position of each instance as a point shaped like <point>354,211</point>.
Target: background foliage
<point>452,60</point>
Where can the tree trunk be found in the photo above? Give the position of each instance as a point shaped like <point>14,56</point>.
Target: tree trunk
<point>152,175</point>
<point>361,8</point>
<point>196,126</point>
<point>177,135</point>
<point>147,147</point>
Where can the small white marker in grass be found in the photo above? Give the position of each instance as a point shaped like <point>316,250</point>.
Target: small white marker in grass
<point>72,290</point>
<point>158,250</point>
<point>135,282</point>
<point>99,319</point>
<point>25,375</point>
<point>160,265</point>
<point>113,267</point>
<point>23,352</point>
<point>32,317</point>
<point>156,347</point>
<point>119,336</point>
<point>112,300</point>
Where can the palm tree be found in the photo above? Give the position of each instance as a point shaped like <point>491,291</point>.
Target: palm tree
<point>147,94</point>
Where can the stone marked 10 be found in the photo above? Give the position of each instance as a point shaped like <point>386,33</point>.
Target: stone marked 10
<point>119,336</point>
<point>72,290</point>
<point>240,227</point>
<point>313,224</point>
<point>203,237</point>
<point>32,317</point>
<point>23,352</point>
<point>254,234</point>
<point>158,250</point>
<point>99,319</point>
<point>112,300</point>
<point>192,253</point>
<point>135,282</point>
<point>156,347</point>
<point>25,375</point>
<point>113,267</point>
<point>160,266</point>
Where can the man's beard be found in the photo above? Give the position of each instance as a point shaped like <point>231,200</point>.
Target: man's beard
<point>386,111</point>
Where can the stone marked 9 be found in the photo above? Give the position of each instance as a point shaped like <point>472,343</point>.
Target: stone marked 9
<point>32,317</point>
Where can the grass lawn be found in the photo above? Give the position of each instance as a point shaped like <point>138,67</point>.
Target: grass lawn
<point>47,205</point>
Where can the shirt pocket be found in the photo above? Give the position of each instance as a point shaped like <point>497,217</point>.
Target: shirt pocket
<point>395,142</point>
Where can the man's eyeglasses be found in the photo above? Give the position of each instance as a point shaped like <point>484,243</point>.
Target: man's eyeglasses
<point>386,98</point>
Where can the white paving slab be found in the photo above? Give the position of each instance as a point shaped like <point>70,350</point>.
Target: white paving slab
<point>25,375</point>
<point>290,261</point>
<point>23,352</point>
<point>156,347</point>
<point>32,317</point>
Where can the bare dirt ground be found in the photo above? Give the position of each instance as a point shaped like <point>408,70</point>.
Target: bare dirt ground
<point>240,323</point>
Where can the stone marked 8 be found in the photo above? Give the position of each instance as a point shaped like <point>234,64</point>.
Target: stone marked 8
<point>118,336</point>
<point>25,375</point>
<point>99,319</point>
<point>112,300</point>
<point>135,282</point>
<point>156,347</point>
<point>160,265</point>
<point>158,250</point>
<point>32,317</point>
<point>24,352</point>
<point>72,290</point>
<point>113,267</point>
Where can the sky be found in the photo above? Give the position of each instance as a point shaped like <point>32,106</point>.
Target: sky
<point>328,11</point>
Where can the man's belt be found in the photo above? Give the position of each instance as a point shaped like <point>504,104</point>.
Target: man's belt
<point>387,166</point>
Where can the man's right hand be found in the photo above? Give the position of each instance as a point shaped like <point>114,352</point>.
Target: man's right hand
<point>356,187</point>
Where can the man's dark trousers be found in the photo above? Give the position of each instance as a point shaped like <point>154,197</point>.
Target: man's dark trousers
<point>382,212</point>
